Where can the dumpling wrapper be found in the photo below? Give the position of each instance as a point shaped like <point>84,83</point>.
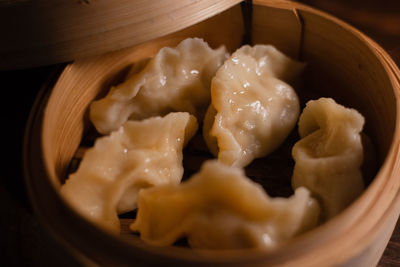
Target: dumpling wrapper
<point>140,154</point>
<point>220,208</point>
<point>176,79</point>
<point>252,109</point>
<point>329,155</point>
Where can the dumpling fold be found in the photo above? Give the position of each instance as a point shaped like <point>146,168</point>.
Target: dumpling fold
<point>220,208</point>
<point>140,154</point>
<point>176,79</point>
<point>329,155</point>
<point>253,108</point>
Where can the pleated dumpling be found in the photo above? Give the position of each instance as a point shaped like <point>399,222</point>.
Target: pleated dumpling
<point>176,79</point>
<point>140,154</point>
<point>253,108</point>
<point>329,155</point>
<point>220,208</point>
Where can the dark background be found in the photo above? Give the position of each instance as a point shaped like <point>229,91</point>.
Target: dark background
<point>22,239</point>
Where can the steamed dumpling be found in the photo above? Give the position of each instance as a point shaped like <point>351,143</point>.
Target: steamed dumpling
<point>253,108</point>
<point>220,208</point>
<point>329,155</point>
<point>176,79</point>
<point>140,154</point>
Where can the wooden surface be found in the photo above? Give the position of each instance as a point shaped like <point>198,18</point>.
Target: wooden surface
<point>27,243</point>
<point>41,32</point>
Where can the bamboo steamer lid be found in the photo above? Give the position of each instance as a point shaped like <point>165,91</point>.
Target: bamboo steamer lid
<point>344,64</point>
<point>43,32</point>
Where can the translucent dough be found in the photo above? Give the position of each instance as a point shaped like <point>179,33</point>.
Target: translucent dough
<point>220,208</point>
<point>140,154</point>
<point>176,79</point>
<point>252,109</point>
<point>329,155</point>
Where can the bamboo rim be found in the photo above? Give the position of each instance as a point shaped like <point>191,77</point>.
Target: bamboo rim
<point>48,32</point>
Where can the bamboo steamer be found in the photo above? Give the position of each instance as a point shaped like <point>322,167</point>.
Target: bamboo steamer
<point>44,32</point>
<point>342,63</point>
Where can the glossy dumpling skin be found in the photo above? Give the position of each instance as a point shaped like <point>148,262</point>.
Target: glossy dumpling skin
<point>220,208</point>
<point>176,79</point>
<point>253,108</point>
<point>140,154</point>
<point>329,155</point>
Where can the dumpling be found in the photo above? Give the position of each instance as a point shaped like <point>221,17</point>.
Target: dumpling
<point>252,108</point>
<point>329,155</point>
<point>176,79</point>
<point>140,154</point>
<point>220,208</point>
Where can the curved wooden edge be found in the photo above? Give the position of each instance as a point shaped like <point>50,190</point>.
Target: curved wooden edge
<point>33,164</point>
<point>364,221</point>
<point>38,33</point>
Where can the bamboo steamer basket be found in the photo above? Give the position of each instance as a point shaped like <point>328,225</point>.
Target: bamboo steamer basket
<point>342,63</point>
<point>46,32</point>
